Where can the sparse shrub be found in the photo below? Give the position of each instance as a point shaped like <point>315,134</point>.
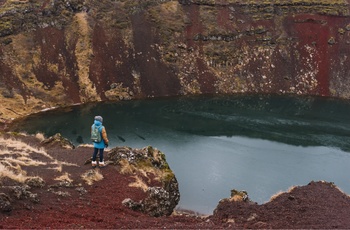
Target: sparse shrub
<point>5,203</point>
<point>35,182</point>
<point>92,176</point>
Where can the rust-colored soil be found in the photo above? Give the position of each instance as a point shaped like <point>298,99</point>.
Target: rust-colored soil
<point>317,205</point>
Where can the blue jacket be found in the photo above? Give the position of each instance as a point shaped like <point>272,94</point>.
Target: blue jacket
<point>101,145</point>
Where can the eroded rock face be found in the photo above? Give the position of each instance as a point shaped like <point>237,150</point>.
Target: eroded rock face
<point>153,175</point>
<point>58,53</point>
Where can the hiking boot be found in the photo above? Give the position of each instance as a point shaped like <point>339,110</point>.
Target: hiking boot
<point>101,164</point>
<point>93,164</point>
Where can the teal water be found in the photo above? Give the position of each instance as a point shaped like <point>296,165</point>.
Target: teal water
<point>259,143</point>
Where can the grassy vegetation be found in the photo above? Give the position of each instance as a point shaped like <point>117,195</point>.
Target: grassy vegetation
<point>16,155</point>
<point>92,176</point>
<point>146,170</point>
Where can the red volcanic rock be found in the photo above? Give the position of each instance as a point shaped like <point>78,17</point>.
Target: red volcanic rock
<point>319,205</point>
<point>63,199</point>
<point>68,52</point>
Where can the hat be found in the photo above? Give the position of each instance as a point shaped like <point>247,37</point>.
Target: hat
<point>99,118</point>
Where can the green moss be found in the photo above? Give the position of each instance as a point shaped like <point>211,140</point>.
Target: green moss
<point>6,27</point>
<point>144,164</point>
<point>168,177</point>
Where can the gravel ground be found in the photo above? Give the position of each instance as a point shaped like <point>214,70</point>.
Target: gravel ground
<point>78,205</point>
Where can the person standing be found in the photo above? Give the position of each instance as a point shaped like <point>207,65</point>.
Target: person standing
<point>100,140</point>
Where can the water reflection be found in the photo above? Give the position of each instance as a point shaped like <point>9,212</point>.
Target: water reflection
<point>261,144</point>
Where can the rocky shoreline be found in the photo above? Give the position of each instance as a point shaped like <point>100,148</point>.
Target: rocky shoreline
<point>49,183</point>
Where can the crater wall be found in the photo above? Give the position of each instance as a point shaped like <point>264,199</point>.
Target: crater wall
<point>61,52</point>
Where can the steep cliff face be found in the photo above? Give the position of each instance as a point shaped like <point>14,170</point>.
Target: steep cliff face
<point>62,52</point>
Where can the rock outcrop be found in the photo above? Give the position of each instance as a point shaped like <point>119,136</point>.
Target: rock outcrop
<point>62,52</point>
<point>28,173</point>
<point>153,175</point>
<point>309,201</point>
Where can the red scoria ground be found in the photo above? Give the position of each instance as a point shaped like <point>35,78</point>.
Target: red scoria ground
<point>316,205</point>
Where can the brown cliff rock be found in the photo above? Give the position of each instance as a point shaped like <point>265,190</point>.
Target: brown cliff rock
<point>58,53</point>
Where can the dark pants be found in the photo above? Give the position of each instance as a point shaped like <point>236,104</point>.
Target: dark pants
<point>95,154</point>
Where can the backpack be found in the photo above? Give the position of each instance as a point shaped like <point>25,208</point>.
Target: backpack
<point>96,133</point>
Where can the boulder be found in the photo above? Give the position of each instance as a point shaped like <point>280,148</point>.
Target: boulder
<point>161,184</point>
<point>58,140</point>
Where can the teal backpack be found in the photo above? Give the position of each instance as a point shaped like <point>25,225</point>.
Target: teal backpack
<point>96,135</point>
